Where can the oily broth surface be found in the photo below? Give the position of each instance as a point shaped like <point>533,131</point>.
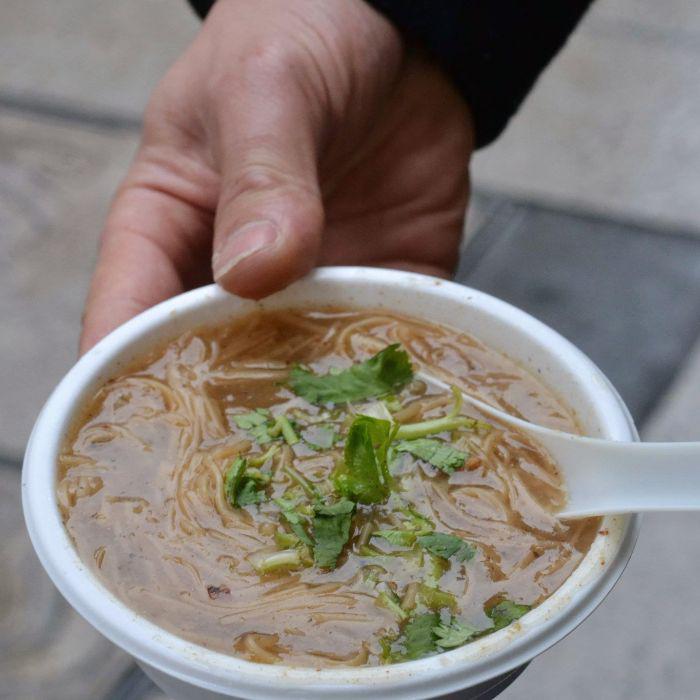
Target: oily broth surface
<point>140,489</point>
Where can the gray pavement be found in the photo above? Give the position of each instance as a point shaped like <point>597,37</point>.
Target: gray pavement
<point>47,652</point>
<point>55,185</point>
<point>612,125</point>
<point>606,285</point>
<point>95,54</point>
<point>611,134</point>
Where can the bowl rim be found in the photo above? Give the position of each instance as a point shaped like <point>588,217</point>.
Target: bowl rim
<point>497,654</point>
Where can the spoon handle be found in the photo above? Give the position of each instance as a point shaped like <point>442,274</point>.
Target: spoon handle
<point>625,477</point>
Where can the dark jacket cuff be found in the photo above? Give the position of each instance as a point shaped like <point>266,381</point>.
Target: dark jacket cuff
<point>493,50</point>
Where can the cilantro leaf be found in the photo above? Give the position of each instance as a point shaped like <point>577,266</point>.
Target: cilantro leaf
<point>364,477</point>
<point>247,421</point>
<point>416,521</point>
<point>387,371</point>
<point>389,600</point>
<point>285,540</point>
<point>287,509</point>
<point>263,429</point>
<point>417,638</point>
<point>321,436</point>
<point>256,474</point>
<point>257,460</point>
<point>392,403</point>
<point>239,488</point>
<point>400,538</point>
<point>284,428</point>
<point>505,612</point>
<point>249,494</point>
<point>265,562</point>
<point>437,568</point>
<point>435,598</point>
<point>452,421</point>
<point>256,423</point>
<point>331,531</point>
<point>232,480</point>
<point>435,452</point>
<point>309,489</point>
<point>443,545</point>
<point>455,634</point>
<point>432,426</point>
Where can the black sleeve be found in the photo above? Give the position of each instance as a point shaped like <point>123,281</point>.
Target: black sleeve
<point>492,49</point>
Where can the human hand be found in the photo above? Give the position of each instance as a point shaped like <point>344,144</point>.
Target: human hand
<point>288,135</point>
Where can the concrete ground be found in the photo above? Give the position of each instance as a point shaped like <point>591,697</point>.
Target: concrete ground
<point>585,214</point>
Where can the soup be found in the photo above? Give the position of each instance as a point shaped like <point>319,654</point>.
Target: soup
<point>298,487</point>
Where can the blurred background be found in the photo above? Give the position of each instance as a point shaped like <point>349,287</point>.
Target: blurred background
<point>586,213</point>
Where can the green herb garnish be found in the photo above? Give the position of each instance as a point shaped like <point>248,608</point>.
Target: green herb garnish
<point>416,521</point>
<point>417,638</point>
<point>283,427</point>
<point>241,485</point>
<point>263,429</point>
<point>257,423</point>
<point>364,477</point>
<point>435,598</point>
<point>505,612</point>
<point>257,460</point>
<point>285,540</point>
<point>452,421</point>
<point>287,509</point>
<point>309,523</point>
<point>446,546</point>
<point>454,634</point>
<point>400,538</point>
<point>308,488</point>
<point>331,531</point>
<point>249,494</point>
<point>438,566</point>
<point>413,431</point>
<point>435,452</point>
<point>389,600</point>
<point>268,562</point>
<point>384,373</point>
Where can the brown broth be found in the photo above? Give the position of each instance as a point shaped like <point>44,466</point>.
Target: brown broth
<point>140,489</point>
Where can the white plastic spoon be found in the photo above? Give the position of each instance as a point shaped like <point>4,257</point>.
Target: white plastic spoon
<point>603,476</point>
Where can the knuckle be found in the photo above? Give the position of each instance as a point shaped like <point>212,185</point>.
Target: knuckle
<point>280,195</point>
<point>264,178</point>
<point>164,115</point>
<point>274,60</point>
<point>263,63</point>
<point>257,178</point>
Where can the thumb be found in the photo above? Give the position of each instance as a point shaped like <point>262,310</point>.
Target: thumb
<point>269,218</point>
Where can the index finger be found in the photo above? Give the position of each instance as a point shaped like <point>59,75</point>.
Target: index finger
<point>156,244</point>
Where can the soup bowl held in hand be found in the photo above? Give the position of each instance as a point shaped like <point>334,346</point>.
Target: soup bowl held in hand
<point>170,653</point>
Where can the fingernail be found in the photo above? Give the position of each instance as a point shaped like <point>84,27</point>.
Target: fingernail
<point>241,244</point>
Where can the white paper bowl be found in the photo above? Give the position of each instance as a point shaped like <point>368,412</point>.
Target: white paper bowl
<point>186,670</point>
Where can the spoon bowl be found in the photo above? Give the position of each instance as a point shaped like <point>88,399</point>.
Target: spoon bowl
<point>605,477</point>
